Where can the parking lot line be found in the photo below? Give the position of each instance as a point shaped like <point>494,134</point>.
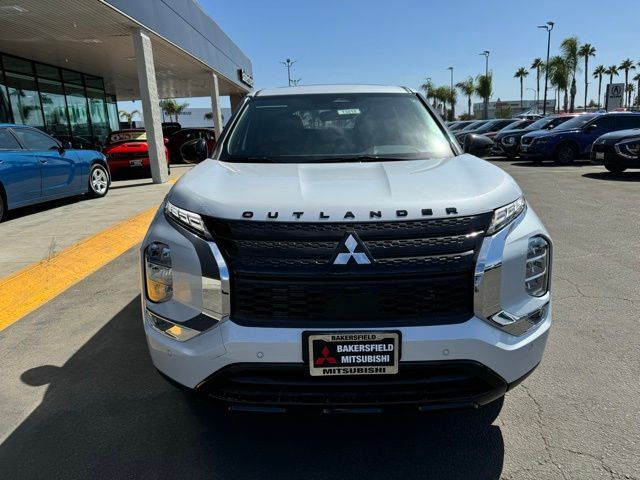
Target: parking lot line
<point>29,288</point>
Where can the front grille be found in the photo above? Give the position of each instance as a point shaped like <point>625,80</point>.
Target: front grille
<point>415,384</point>
<point>282,272</point>
<point>603,147</point>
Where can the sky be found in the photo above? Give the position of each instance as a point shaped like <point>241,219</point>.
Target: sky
<point>405,41</point>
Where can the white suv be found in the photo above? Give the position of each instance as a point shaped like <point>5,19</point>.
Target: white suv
<point>340,251</point>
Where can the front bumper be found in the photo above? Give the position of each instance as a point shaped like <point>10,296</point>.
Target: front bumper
<point>610,158</point>
<point>226,344</point>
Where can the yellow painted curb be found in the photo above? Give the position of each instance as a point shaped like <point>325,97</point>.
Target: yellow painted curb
<point>27,289</point>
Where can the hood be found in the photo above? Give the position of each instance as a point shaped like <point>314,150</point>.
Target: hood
<point>404,190</point>
<point>615,137</point>
<point>550,133</point>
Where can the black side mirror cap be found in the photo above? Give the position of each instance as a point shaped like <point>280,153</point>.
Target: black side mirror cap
<point>477,145</point>
<point>194,151</point>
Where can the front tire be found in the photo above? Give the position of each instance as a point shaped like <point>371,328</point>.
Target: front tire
<point>614,168</point>
<point>565,154</point>
<point>98,181</point>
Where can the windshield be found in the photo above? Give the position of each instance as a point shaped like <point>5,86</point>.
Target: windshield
<point>335,127</point>
<point>576,122</point>
<point>515,125</point>
<point>473,126</point>
<point>541,123</point>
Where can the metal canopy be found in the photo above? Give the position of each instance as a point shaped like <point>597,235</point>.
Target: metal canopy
<point>93,37</point>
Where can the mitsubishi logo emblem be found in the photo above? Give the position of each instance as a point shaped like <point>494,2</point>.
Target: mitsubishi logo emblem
<point>352,248</point>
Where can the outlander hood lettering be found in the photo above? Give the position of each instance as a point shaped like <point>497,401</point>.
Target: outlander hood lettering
<point>350,215</point>
<point>352,248</point>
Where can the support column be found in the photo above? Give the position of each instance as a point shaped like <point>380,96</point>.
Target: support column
<point>150,105</point>
<point>215,105</point>
<point>235,101</point>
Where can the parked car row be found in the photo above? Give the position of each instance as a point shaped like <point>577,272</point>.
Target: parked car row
<point>611,139</point>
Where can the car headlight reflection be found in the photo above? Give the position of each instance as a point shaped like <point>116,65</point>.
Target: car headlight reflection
<point>158,272</point>
<point>509,140</point>
<point>537,267</point>
<point>630,149</point>
<point>185,217</point>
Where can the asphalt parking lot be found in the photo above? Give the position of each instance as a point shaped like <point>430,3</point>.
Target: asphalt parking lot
<point>81,399</point>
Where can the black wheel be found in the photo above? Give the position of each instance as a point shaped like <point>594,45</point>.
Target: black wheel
<point>565,154</point>
<point>614,168</point>
<point>98,181</point>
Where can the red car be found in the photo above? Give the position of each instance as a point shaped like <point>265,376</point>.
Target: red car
<point>127,153</point>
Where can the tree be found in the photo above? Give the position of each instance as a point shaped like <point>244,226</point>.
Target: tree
<point>171,107</point>
<point>452,97</point>
<point>630,88</point>
<point>427,88</point>
<point>441,96</point>
<point>208,116</point>
<point>467,88</point>
<point>521,73</point>
<point>598,72</point>
<point>587,50</point>
<point>569,49</point>
<point>128,116</point>
<point>627,65</point>
<point>636,78</point>
<point>484,89</point>
<point>559,74</point>
<point>537,65</point>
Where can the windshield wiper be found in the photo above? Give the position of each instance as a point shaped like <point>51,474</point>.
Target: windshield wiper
<point>357,158</point>
<point>248,159</point>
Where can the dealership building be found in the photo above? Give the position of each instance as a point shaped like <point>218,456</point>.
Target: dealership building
<point>512,107</point>
<point>65,63</point>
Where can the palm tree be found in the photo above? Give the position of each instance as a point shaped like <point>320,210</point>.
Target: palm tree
<point>128,116</point>
<point>559,74</point>
<point>636,78</point>
<point>630,88</point>
<point>627,65</point>
<point>569,49</point>
<point>484,89</point>
<point>611,71</point>
<point>586,50</point>
<point>598,72</point>
<point>171,107</point>
<point>441,96</point>
<point>537,65</point>
<point>428,89</point>
<point>467,88</point>
<point>521,73</point>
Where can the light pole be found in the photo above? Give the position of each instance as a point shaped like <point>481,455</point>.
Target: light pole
<point>452,113</point>
<point>288,63</point>
<point>486,75</point>
<point>548,27</point>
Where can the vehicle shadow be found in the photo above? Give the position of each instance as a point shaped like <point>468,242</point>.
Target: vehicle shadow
<point>41,207</point>
<point>614,177</point>
<point>108,414</point>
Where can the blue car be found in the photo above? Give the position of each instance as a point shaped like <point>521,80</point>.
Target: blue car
<point>35,168</point>
<point>573,139</point>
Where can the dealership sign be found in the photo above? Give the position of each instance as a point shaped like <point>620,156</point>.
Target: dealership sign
<point>614,96</point>
<point>245,77</point>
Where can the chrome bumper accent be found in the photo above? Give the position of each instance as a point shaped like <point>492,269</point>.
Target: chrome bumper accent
<point>216,302</point>
<point>487,286</point>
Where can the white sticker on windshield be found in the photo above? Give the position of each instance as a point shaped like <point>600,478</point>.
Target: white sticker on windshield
<point>349,111</point>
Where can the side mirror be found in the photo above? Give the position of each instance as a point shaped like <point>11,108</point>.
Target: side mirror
<point>194,151</point>
<point>591,127</point>
<point>477,145</point>
<point>64,145</point>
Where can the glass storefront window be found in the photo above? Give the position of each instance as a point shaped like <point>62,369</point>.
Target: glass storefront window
<point>69,76</point>
<point>17,65</point>
<point>5,112</point>
<point>112,111</point>
<point>47,71</point>
<point>55,108</point>
<point>98,112</point>
<point>24,99</point>
<point>78,114</point>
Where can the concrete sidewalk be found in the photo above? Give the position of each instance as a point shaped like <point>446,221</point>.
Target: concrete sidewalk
<point>32,234</point>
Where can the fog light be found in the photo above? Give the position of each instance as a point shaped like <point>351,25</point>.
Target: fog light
<point>537,267</point>
<point>170,329</point>
<point>158,272</point>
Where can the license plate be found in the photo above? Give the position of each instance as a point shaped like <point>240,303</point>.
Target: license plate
<point>599,155</point>
<point>352,353</point>
<point>135,163</point>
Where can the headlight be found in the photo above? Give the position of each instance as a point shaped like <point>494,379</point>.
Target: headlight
<point>509,140</point>
<point>158,273</point>
<point>630,149</point>
<point>503,216</point>
<point>537,269</point>
<point>184,217</point>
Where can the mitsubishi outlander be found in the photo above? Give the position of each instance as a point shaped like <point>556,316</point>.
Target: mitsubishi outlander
<point>340,251</point>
